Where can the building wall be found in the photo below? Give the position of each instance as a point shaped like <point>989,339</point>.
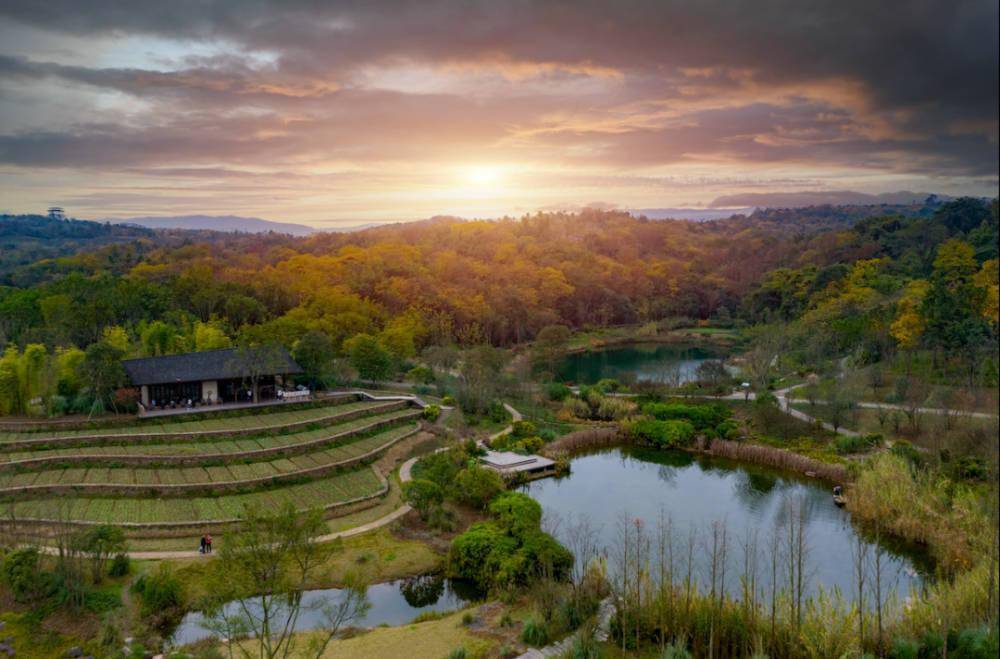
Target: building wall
<point>210,390</point>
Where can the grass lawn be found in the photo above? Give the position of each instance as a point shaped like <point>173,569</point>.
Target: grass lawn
<point>32,640</point>
<point>953,394</point>
<point>932,430</point>
<point>375,557</point>
<point>434,639</point>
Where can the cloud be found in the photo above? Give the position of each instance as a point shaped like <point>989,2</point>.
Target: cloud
<point>628,92</point>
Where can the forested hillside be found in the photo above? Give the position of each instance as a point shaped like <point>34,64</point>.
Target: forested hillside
<point>873,287</point>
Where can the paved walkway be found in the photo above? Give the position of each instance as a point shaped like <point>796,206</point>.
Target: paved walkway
<point>903,408</point>
<point>605,611</point>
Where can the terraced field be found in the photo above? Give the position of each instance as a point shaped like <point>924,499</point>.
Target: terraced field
<point>148,477</point>
<point>222,450</point>
<point>246,424</point>
<point>127,511</point>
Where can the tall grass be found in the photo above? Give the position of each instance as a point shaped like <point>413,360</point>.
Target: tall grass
<point>779,458</point>
<point>582,440</point>
<point>923,507</point>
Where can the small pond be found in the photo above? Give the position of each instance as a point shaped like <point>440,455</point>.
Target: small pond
<point>694,492</point>
<point>653,362</point>
<point>392,603</point>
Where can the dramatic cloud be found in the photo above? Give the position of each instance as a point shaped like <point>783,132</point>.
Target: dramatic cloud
<point>318,110</point>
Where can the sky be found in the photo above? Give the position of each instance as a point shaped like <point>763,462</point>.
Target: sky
<point>335,113</point>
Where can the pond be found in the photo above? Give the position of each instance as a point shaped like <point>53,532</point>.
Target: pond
<point>654,362</point>
<point>392,603</point>
<point>694,492</point>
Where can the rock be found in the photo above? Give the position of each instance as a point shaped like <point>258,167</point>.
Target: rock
<point>74,651</point>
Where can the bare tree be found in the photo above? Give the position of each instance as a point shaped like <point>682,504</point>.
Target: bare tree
<point>257,583</point>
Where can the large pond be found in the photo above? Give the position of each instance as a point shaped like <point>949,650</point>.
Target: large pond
<point>655,362</point>
<point>392,603</point>
<point>695,493</point>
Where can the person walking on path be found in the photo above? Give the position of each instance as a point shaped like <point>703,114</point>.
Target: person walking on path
<point>204,544</point>
<point>208,542</point>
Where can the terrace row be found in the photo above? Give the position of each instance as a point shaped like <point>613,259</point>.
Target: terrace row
<point>329,493</point>
<point>209,451</point>
<point>183,481</point>
<point>273,423</point>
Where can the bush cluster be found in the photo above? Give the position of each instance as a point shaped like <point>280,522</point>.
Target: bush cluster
<point>664,434</point>
<point>510,549</point>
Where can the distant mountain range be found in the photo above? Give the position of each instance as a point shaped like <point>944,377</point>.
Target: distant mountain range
<point>694,214</point>
<point>820,198</point>
<point>225,223</point>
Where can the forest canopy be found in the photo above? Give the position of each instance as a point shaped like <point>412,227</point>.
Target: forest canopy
<point>871,282</point>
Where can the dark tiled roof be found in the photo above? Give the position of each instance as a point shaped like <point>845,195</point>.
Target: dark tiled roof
<point>198,366</point>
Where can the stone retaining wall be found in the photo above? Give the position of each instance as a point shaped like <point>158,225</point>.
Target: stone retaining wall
<point>170,529</point>
<point>150,438</point>
<point>214,458</point>
<point>209,488</point>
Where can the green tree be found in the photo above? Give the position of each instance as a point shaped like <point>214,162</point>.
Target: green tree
<point>102,542</point>
<point>102,369</point>
<point>367,356</point>
<point>477,485</point>
<point>423,496</point>
<point>953,307</point>
<point>550,346</point>
<point>209,336</point>
<point>159,338</point>
<point>11,400</point>
<point>314,352</point>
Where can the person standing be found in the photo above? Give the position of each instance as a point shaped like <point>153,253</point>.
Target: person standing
<point>201,549</point>
<point>208,542</point>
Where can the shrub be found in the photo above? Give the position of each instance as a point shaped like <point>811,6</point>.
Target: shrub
<point>497,412</point>
<point>448,400</point>
<point>160,591</point>
<point>522,429</point>
<point>511,550</point>
<point>432,413</point>
<point>665,434</point>
<point>547,434</point>
<point>440,468</point>
<point>22,573</point>
<point>557,391</point>
<point>420,374</point>
<point>517,513</point>
<point>423,495</point>
<point>702,417</point>
<point>856,444</point>
<point>120,565</point>
<point>728,429</point>
<point>477,485</point>
<point>458,653</point>
<point>608,385</point>
<point>534,633</point>
<point>904,449</point>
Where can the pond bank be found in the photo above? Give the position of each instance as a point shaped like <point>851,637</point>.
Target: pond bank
<point>758,454</point>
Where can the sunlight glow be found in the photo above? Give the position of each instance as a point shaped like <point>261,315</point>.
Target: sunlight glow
<point>483,175</point>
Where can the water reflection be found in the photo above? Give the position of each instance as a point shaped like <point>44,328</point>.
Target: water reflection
<point>668,364</point>
<point>392,603</point>
<point>698,494</point>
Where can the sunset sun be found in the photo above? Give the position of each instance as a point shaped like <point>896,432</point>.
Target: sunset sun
<point>483,175</point>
